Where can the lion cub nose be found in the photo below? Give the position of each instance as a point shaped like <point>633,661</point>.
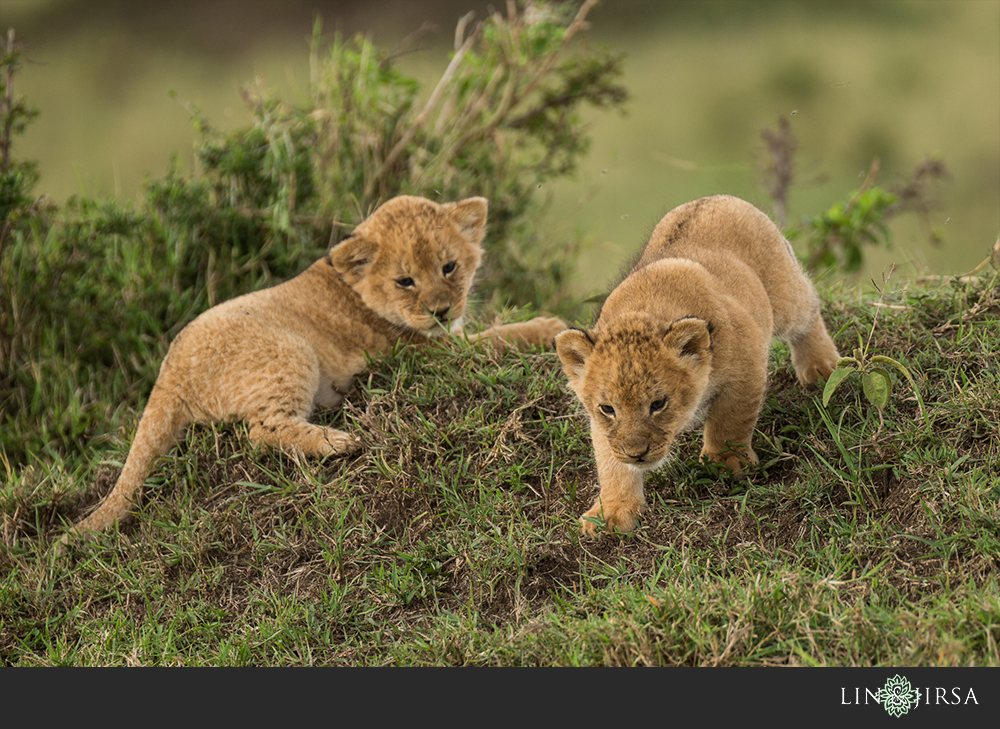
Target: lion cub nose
<point>637,456</point>
<point>442,314</point>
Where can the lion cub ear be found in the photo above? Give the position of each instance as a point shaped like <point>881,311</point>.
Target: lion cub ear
<point>470,217</point>
<point>691,337</point>
<point>352,256</point>
<point>574,347</point>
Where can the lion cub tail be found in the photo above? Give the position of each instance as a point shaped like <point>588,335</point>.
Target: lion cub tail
<point>162,422</point>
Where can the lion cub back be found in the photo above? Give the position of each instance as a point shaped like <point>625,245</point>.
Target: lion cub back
<point>721,230</point>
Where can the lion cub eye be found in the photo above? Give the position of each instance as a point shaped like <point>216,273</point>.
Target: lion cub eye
<point>405,282</point>
<point>608,410</point>
<point>657,405</point>
<point>448,268</point>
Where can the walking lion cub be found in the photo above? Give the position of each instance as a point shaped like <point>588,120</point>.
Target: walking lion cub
<point>272,356</point>
<point>686,336</point>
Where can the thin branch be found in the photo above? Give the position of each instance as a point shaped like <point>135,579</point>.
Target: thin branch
<point>460,28</point>
<point>512,100</point>
<point>579,23</point>
<point>834,236</point>
<point>425,113</point>
<point>881,297</point>
<point>401,48</point>
<point>780,146</point>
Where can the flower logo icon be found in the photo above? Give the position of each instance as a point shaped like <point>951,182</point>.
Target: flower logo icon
<point>897,696</point>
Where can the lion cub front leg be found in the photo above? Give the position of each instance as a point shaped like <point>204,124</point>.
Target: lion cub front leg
<point>538,331</point>
<point>729,427</point>
<point>621,498</point>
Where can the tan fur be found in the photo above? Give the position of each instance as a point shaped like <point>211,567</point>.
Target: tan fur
<point>686,335</point>
<point>272,356</point>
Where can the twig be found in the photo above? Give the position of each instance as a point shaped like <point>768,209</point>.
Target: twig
<point>579,23</point>
<point>781,146</point>
<point>401,48</point>
<point>512,100</point>
<point>460,28</point>
<point>873,171</point>
<point>833,236</point>
<point>881,297</point>
<point>424,113</point>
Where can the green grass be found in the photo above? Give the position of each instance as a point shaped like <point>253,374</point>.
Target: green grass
<point>452,538</point>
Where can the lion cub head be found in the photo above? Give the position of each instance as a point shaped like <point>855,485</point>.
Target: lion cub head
<point>641,381</point>
<point>412,261</point>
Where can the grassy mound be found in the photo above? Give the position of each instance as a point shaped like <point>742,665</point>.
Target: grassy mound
<point>862,538</point>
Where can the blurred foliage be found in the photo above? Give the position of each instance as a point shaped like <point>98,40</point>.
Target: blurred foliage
<point>92,293</point>
<point>502,120</point>
<point>16,178</point>
<point>837,238</point>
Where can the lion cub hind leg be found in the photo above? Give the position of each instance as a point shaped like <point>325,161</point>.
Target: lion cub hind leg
<point>814,355</point>
<point>621,498</point>
<point>293,431</point>
<point>279,417</point>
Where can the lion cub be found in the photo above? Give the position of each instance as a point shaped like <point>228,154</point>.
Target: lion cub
<point>685,336</point>
<point>272,356</point>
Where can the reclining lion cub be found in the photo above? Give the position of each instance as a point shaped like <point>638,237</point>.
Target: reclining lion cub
<point>271,356</point>
<point>685,336</point>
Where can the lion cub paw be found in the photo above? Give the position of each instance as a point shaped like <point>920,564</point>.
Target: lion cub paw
<point>541,331</point>
<point>545,328</point>
<point>598,518</point>
<point>736,459</point>
<point>342,444</point>
<point>814,358</point>
<point>538,331</point>
<point>813,371</point>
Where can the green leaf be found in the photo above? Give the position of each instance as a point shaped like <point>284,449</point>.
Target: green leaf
<point>893,363</point>
<point>888,380</point>
<point>835,378</point>
<point>876,388</point>
<point>906,373</point>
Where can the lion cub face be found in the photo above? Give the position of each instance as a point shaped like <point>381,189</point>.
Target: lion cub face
<point>412,261</point>
<point>641,382</point>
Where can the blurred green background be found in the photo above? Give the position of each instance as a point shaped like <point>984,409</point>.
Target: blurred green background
<point>900,80</point>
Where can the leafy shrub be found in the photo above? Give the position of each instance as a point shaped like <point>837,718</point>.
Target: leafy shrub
<point>501,121</point>
<point>92,293</point>
<point>837,236</point>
